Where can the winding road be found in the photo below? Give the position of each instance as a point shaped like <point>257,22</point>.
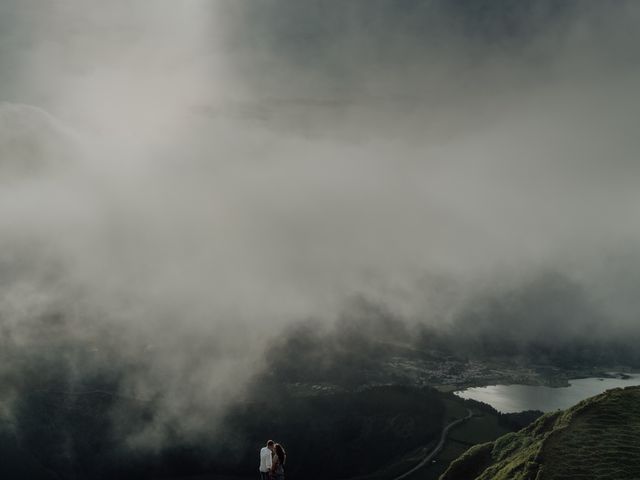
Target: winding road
<point>438,447</point>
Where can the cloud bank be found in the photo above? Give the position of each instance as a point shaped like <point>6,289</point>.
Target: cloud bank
<point>181,181</point>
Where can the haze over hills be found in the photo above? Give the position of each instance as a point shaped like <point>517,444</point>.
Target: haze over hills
<point>221,218</point>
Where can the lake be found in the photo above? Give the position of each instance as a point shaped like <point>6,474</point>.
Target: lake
<point>516,398</point>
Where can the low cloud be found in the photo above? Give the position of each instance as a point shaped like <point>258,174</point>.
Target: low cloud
<point>181,183</point>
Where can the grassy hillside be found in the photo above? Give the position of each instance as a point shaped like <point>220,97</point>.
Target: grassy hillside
<point>375,433</point>
<point>57,435</point>
<point>599,438</point>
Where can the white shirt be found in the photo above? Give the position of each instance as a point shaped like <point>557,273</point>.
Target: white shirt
<point>265,459</point>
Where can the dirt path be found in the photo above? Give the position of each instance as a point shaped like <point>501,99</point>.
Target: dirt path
<point>438,447</point>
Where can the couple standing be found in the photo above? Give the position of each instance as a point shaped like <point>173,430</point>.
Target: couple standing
<point>272,460</point>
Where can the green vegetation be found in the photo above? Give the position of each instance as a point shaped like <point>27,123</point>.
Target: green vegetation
<point>599,438</point>
<point>479,429</point>
<point>357,433</point>
<point>58,435</point>
<point>486,425</point>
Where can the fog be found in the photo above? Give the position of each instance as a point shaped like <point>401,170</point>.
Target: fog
<point>182,181</point>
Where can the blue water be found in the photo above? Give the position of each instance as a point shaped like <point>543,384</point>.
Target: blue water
<point>516,398</point>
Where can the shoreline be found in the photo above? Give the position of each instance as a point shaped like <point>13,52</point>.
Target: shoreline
<point>562,380</point>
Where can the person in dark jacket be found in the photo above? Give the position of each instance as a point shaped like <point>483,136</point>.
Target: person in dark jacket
<point>279,459</point>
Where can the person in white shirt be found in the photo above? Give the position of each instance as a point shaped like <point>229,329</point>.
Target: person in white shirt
<point>265,460</point>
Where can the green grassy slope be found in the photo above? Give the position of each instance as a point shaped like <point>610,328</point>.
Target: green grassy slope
<point>599,438</point>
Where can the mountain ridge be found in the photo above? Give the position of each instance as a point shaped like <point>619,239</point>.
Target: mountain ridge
<point>598,438</point>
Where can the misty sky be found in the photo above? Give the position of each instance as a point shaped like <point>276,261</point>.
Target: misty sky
<point>181,180</point>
